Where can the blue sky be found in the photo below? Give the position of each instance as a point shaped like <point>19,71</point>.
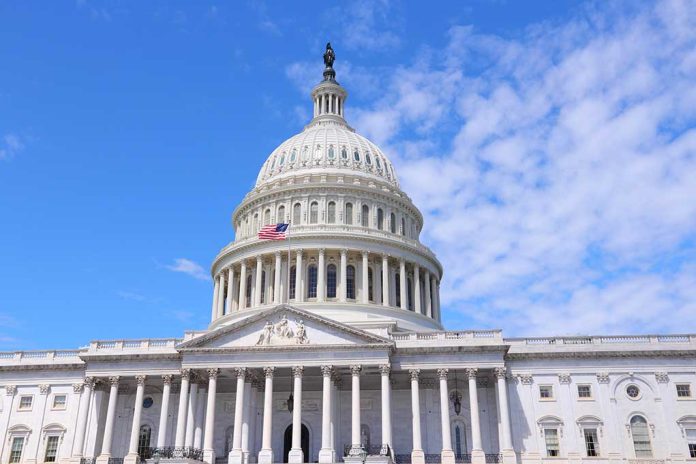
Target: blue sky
<point>557,137</point>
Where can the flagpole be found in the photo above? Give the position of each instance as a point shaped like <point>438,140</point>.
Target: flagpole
<point>287,234</point>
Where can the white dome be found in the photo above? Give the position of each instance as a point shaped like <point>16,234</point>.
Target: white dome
<point>327,146</point>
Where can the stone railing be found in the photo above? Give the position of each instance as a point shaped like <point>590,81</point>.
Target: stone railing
<point>11,358</point>
<point>606,340</point>
<point>147,344</point>
<point>454,338</point>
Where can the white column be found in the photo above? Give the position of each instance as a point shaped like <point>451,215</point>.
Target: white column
<point>386,407</point>
<point>236,456</point>
<point>164,411</point>
<point>477,455</point>
<point>132,457</point>
<point>208,441</point>
<point>365,281</point>
<point>402,284</point>
<point>183,407</point>
<point>428,302</point>
<point>326,454</point>
<point>246,419</point>
<point>321,276</point>
<point>230,293</point>
<point>298,277</point>
<point>436,300</point>
<point>242,286</point>
<point>198,425</point>
<point>216,292</point>
<point>220,307</point>
<point>296,455</point>
<point>506,448</point>
<point>257,286</point>
<point>191,415</point>
<point>417,454</point>
<point>355,442</point>
<point>276,277</point>
<point>447,456</point>
<point>416,289</point>
<point>385,280</point>
<point>266,453</point>
<point>344,276</point>
<point>110,416</point>
<point>81,427</point>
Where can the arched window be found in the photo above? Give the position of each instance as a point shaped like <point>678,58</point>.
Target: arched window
<point>379,164</point>
<point>356,155</point>
<point>641,437</point>
<point>144,441</point>
<point>314,212</point>
<point>403,226</point>
<point>332,153</point>
<point>331,281</point>
<point>312,281</point>
<point>248,291</point>
<point>272,164</point>
<point>331,213</point>
<point>280,217</point>
<point>262,299</point>
<point>397,289</point>
<point>365,215</point>
<point>305,153</point>
<point>291,290</point>
<point>297,214</point>
<point>256,223</point>
<point>293,155</point>
<point>350,282</point>
<point>344,153</point>
<point>349,213</point>
<point>459,439</point>
<point>229,439</point>
<point>410,294</point>
<point>392,223</point>
<point>365,435</point>
<point>380,219</point>
<point>370,285</point>
<point>368,159</point>
<point>266,217</point>
<point>282,159</point>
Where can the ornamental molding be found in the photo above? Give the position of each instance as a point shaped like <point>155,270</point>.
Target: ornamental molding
<point>471,372</point>
<point>525,379</point>
<point>442,373</point>
<point>385,369</point>
<point>241,372</point>
<point>44,389</point>
<point>167,379</point>
<point>603,377</point>
<point>10,390</point>
<point>113,380</point>
<point>355,370</point>
<point>500,372</point>
<point>77,387</point>
<point>661,377</point>
<point>415,374</point>
<point>327,371</point>
<point>281,333</point>
<point>564,378</point>
<point>297,371</point>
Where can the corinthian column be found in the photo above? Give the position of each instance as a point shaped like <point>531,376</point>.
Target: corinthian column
<point>81,427</point>
<point>208,441</point>
<point>266,453</point>
<point>417,454</point>
<point>216,292</point>
<point>230,292</point>
<point>132,457</point>
<point>276,277</point>
<point>355,445</point>
<point>236,456</point>
<point>428,301</point>
<point>109,425</point>
<point>417,289</point>
<point>386,407</point>
<point>506,448</point>
<point>477,455</point>
<point>344,276</point>
<point>321,276</point>
<point>402,284</point>
<point>164,413</point>
<point>183,407</point>
<point>242,286</point>
<point>385,280</point>
<point>296,455</point>
<point>365,291</point>
<point>259,274</point>
<point>327,453</point>
<point>299,297</point>
<point>447,456</point>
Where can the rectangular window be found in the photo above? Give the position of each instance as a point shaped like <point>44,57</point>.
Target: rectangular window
<point>591,442</point>
<point>584,391</point>
<point>51,448</point>
<point>59,402</point>
<point>25,402</point>
<point>546,392</point>
<point>683,390</point>
<point>16,451</point>
<point>551,438</point>
<point>691,440</point>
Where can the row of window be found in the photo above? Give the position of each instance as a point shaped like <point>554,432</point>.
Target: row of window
<point>371,160</point>
<point>50,452</point>
<point>381,221</point>
<point>683,391</point>
<point>27,401</point>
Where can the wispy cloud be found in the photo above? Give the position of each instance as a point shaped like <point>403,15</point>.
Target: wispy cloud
<point>368,25</point>
<point>11,146</point>
<point>565,160</point>
<point>131,296</point>
<point>188,267</point>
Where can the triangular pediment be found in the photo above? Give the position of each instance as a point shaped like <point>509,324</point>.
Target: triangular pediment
<point>283,326</point>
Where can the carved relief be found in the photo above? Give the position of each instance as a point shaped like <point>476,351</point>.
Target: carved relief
<point>661,377</point>
<point>281,333</point>
<point>10,390</point>
<point>603,377</point>
<point>564,378</point>
<point>43,389</point>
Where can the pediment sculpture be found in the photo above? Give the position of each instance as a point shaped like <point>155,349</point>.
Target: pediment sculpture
<point>281,333</point>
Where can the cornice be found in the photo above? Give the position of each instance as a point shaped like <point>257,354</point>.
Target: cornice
<point>42,367</point>
<point>661,353</point>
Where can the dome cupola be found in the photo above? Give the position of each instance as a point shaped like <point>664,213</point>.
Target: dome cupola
<point>353,252</point>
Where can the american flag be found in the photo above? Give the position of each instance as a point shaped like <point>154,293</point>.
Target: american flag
<point>274,232</point>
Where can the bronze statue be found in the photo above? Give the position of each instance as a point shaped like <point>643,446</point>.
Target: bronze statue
<point>329,56</point>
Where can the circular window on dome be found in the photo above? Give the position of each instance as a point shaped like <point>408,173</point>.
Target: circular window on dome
<point>305,153</point>
<point>282,159</point>
<point>633,391</point>
<point>331,154</point>
<point>317,153</point>
<point>368,159</point>
<point>356,155</point>
<point>148,402</point>
<point>344,153</point>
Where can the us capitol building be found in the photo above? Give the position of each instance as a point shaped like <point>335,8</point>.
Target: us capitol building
<point>329,347</point>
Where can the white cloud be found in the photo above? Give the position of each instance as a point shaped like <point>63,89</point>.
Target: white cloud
<point>565,159</point>
<point>189,267</point>
<point>11,146</point>
<point>368,24</point>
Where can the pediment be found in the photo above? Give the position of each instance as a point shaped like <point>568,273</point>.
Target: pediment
<point>281,327</point>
